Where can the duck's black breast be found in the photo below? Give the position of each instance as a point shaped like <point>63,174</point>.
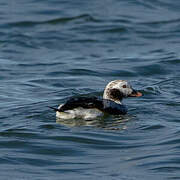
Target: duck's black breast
<point>103,105</point>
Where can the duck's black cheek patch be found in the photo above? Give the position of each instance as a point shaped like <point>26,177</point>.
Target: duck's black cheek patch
<point>116,94</point>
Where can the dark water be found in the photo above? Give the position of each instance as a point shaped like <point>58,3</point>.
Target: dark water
<point>51,50</point>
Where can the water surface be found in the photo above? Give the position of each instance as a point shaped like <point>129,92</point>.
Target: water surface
<point>53,50</point>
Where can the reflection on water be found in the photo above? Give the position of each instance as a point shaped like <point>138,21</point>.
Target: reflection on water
<point>106,122</point>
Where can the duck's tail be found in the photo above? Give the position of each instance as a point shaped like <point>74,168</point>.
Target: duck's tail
<point>55,109</point>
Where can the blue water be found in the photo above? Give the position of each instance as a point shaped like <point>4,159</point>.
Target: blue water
<point>52,50</point>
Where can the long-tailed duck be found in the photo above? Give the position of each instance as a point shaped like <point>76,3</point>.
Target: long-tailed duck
<point>92,107</point>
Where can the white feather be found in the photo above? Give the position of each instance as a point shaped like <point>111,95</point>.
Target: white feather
<point>79,113</point>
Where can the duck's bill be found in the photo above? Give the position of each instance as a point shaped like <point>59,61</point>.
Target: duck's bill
<point>135,94</point>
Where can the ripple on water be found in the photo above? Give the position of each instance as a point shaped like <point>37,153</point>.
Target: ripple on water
<point>75,19</point>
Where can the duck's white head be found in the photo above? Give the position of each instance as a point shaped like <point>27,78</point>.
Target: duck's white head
<point>118,89</point>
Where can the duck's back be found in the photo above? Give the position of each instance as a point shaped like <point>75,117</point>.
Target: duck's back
<point>83,102</point>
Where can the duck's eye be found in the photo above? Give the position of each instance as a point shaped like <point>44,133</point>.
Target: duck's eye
<point>124,86</point>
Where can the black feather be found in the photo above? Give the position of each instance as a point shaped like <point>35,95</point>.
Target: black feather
<point>84,102</point>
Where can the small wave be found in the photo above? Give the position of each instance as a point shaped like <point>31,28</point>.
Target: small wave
<point>114,30</point>
<point>83,72</point>
<point>153,127</point>
<point>84,17</point>
<point>160,22</point>
<point>151,69</point>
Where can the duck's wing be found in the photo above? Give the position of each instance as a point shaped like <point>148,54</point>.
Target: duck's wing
<point>84,102</point>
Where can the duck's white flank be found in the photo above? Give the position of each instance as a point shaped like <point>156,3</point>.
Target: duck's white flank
<point>79,113</point>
